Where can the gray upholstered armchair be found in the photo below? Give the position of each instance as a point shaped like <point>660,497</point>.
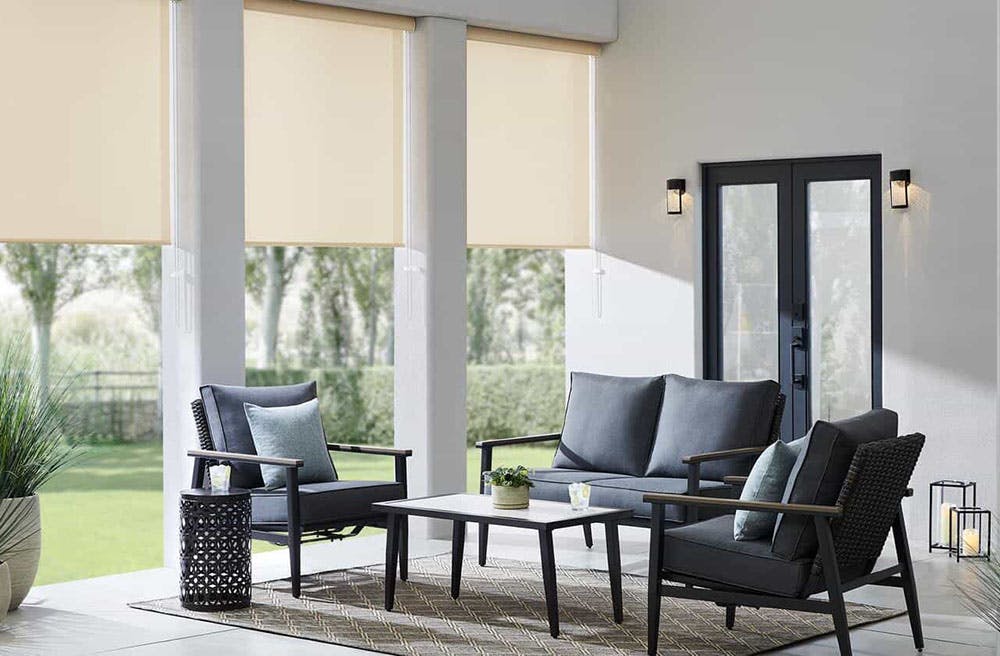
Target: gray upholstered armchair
<point>823,545</point>
<point>295,513</point>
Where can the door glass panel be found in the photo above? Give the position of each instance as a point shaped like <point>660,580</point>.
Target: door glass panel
<point>840,353</point>
<point>749,281</point>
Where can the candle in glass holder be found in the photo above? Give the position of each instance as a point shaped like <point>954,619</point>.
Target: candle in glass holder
<point>970,542</point>
<point>947,526</point>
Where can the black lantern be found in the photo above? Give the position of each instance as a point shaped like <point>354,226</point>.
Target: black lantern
<point>675,193</point>
<point>973,532</point>
<point>950,494</point>
<point>899,184</point>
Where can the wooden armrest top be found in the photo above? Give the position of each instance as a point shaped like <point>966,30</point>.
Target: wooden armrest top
<point>371,450</point>
<point>245,457</point>
<point>524,439</point>
<point>722,455</point>
<point>734,480</point>
<point>736,504</point>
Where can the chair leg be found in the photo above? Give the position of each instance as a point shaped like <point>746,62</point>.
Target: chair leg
<point>730,616</point>
<point>909,583</point>
<point>831,572</point>
<point>484,540</point>
<point>404,548</point>
<point>588,535</point>
<point>295,559</point>
<point>655,583</point>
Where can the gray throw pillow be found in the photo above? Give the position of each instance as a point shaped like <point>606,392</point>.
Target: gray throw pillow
<point>293,431</point>
<point>766,482</point>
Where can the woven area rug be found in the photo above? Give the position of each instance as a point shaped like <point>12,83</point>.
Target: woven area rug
<point>501,610</point>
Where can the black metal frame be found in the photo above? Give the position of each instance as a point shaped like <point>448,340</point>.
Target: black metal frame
<point>792,177</point>
<point>943,486</point>
<point>293,532</point>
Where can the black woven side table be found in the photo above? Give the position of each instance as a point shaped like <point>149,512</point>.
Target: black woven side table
<point>215,549</point>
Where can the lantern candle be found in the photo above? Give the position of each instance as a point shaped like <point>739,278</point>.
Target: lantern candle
<point>970,542</point>
<point>947,526</point>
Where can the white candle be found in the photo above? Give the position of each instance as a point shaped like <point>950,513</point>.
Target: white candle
<point>947,537</point>
<point>970,542</point>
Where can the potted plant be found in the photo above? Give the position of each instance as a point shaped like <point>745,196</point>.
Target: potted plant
<point>509,487</point>
<point>33,447</point>
<point>16,528</point>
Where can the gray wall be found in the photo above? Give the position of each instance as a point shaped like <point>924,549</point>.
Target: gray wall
<point>692,81</point>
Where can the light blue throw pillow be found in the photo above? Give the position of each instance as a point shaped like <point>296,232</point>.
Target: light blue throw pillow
<point>293,431</point>
<point>766,482</point>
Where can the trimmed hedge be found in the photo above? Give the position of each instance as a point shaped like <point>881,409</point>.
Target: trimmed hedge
<point>502,400</point>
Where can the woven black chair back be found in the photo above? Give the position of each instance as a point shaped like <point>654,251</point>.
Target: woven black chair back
<point>870,497</point>
<point>201,423</point>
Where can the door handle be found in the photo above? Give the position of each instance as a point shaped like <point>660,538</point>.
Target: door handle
<point>799,342</point>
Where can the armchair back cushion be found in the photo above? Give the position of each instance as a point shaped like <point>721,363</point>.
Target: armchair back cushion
<point>609,423</point>
<point>819,473</point>
<point>293,431</point>
<point>228,426</point>
<point>699,416</point>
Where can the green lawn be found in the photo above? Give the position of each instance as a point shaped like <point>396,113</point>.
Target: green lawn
<point>104,514</point>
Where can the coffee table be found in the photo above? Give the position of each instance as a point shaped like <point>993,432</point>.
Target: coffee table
<point>541,516</point>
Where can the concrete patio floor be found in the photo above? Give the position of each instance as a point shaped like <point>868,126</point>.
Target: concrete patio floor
<point>91,616</point>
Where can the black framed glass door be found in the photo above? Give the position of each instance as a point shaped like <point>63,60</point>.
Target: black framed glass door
<point>792,273</point>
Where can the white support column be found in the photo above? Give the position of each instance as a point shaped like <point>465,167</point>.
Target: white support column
<point>430,272</point>
<point>203,303</point>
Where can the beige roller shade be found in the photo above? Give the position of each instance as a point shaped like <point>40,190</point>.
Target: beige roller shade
<point>324,125</point>
<point>84,108</point>
<point>528,147</point>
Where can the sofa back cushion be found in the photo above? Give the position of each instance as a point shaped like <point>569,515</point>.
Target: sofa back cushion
<point>699,416</point>
<point>609,423</point>
<point>819,473</point>
<point>228,426</point>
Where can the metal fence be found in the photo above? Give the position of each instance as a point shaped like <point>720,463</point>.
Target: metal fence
<point>117,406</point>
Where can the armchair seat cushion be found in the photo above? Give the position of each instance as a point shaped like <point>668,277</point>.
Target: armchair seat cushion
<point>627,492</point>
<point>331,501</point>
<point>706,550</point>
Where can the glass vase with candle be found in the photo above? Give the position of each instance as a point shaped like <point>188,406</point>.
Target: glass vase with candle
<point>974,525</point>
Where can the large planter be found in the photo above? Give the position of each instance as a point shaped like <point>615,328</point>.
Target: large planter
<point>509,498</point>
<point>4,591</point>
<point>22,560</point>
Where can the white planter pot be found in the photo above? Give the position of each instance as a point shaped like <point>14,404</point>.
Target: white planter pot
<point>4,591</point>
<point>22,560</point>
<point>509,498</point>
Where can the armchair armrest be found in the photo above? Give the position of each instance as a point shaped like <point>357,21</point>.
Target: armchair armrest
<point>734,480</point>
<point>524,439</point>
<point>370,450</point>
<point>736,504</point>
<point>698,458</point>
<point>245,457</point>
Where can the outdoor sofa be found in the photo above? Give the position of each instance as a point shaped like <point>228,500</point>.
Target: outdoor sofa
<point>632,436</point>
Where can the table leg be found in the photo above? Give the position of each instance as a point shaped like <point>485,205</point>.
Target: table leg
<point>457,554</point>
<point>391,558</point>
<point>614,568</point>
<point>549,579</point>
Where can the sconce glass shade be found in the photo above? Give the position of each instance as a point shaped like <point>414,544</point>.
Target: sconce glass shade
<point>675,194</point>
<point>899,183</point>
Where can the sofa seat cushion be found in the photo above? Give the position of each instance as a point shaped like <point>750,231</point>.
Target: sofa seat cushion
<point>553,484</point>
<point>609,423</point>
<point>228,425</point>
<point>706,550</point>
<point>819,473</point>
<point>700,416</point>
<point>324,502</point>
<point>627,492</point>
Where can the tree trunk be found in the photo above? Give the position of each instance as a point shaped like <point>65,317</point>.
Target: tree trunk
<point>372,306</point>
<point>274,291</point>
<point>41,341</point>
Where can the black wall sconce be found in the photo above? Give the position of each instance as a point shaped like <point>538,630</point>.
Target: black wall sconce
<point>675,192</point>
<point>899,193</point>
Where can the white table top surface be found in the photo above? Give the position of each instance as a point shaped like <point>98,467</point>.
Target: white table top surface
<point>480,506</point>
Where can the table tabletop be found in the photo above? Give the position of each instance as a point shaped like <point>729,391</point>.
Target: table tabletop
<point>479,508</point>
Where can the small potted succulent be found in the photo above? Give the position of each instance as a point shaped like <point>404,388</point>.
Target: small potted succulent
<point>509,487</point>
